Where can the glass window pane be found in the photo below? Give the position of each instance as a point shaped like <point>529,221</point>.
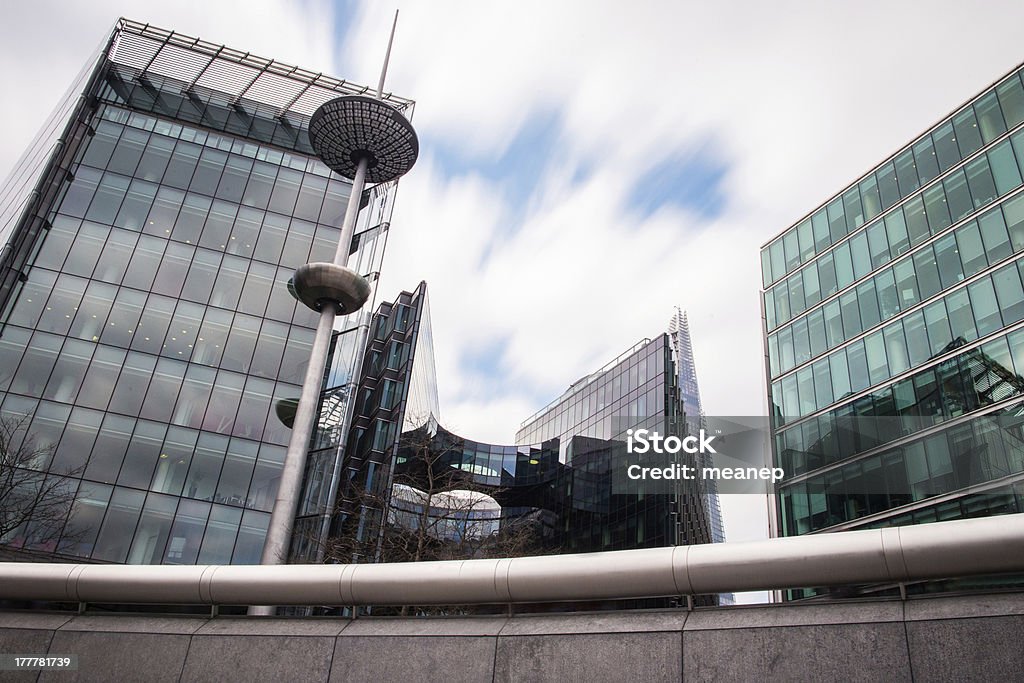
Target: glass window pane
<point>833,323</point>
<point>896,231</point>
<point>163,389</point>
<point>300,239</point>
<point>145,262</point>
<point>118,525</point>
<point>155,158</point>
<point>69,372</point>
<point>878,244</point>
<point>939,333</point>
<point>257,288</point>
<point>230,279</point>
<point>186,535</point>
<point>851,314</point>
<point>819,226</point>
<point>980,182</point>
<point>182,165</point>
<point>917,338</point>
<point>1011,100</point>
<point>906,173</point>
<point>85,251</point>
<point>860,255</point>
<point>961,317</point>
<point>828,283</point>
<point>925,159</point>
<point>812,289</point>
<point>208,172</point>
<point>1009,293</point>
<point>778,259</point>
<point>212,337</point>
<point>251,535</point>
<point>874,349</point>
<point>936,208</point>
<point>867,301</point>
<point>1004,167</point>
<point>844,265</point>
<point>261,182</point>
<point>836,220</point>
<point>232,183</point>
<point>152,328</point>
<point>928,282</point>
<point>986,309</point>
<point>858,363</point>
<point>972,252</point>
<point>237,472</point>
<point>887,187</point>
<point>947,260</point>
<point>219,540</point>
<point>990,118</point>
<point>957,195</point>
<point>189,223</point>
<point>245,231</point>
<point>917,220</point>
<point>102,144</point>
<point>128,151</point>
<point>90,320</point>
<point>968,138</point>
<point>107,202</point>
<point>888,297</point>
<point>896,348</point>
<point>286,189</point>
<point>946,150</point>
<point>994,236</point>
<point>153,530</point>
<point>204,468</point>
<point>869,195</point>
<point>220,413</point>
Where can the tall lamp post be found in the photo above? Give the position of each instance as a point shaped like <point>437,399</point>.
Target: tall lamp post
<point>365,140</point>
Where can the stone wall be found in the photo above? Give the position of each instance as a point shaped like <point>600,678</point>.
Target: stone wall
<point>927,639</point>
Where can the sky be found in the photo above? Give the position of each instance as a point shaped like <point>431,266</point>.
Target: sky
<point>586,165</point>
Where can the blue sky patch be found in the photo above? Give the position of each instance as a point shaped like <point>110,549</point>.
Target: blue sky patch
<point>693,183</point>
<point>517,170</point>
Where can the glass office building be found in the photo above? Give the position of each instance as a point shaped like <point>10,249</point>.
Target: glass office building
<point>557,481</point>
<point>894,326</point>
<point>147,332</point>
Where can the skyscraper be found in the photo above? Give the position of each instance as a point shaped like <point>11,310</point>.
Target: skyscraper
<point>689,391</point>
<point>148,332</point>
<point>894,319</point>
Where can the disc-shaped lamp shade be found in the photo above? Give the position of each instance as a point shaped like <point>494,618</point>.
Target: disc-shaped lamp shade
<point>347,129</point>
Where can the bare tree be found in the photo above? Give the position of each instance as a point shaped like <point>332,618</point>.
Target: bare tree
<point>34,504</point>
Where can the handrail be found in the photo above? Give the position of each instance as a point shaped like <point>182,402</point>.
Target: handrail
<point>990,545</point>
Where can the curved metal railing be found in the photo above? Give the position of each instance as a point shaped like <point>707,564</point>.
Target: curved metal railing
<point>951,549</point>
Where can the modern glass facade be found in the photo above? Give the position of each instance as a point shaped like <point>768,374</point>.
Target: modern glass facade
<point>894,326</point>
<point>150,333</point>
<point>557,482</point>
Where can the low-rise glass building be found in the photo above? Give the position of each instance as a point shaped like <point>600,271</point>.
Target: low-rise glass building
<point>894,326</point>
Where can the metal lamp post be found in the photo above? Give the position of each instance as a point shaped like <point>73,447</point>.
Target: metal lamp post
<point>365,140</point>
